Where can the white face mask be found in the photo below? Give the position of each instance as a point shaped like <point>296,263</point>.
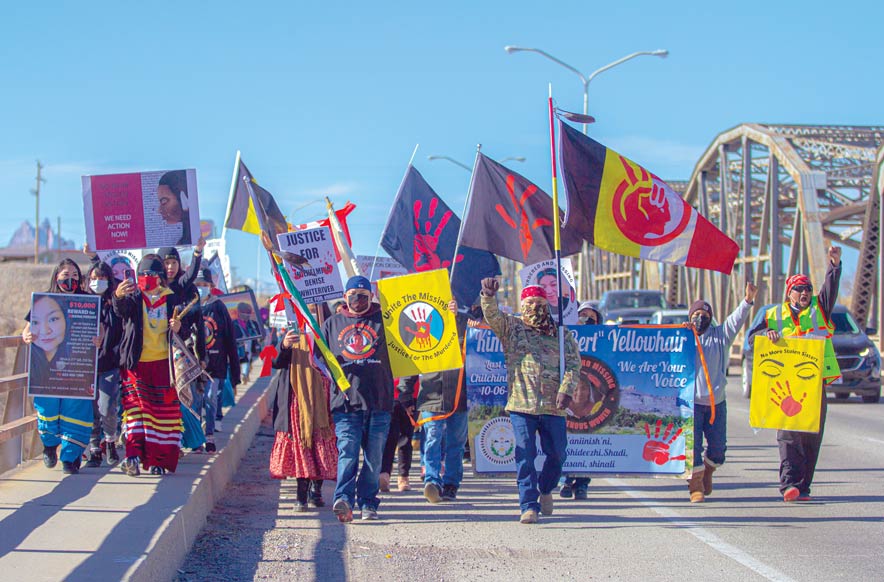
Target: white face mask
<point>98,286</point>
<point>203,291</point>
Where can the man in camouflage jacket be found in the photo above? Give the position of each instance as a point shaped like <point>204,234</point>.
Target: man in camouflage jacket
<point>537,399</point>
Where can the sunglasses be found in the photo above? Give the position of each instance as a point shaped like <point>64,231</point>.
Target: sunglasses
<point>360,292</point>
<point>802,288</point>
<point>150,274</point>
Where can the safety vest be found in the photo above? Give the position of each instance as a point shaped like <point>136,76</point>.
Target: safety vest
<point>811,322</point>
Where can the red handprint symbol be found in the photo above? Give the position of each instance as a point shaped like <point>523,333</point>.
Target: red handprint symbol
<point>426,239</point>
<point>526,230</point>
<point>783,398</point>
<point>657,448</point>
<point>643,210</point>
<point>422,322</point>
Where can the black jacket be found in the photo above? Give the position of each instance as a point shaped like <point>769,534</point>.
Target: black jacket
<point>109,351</point>
<point>281,389</point>
<point>438,390</point>
<point>360,346</point>
<point>129,309</point>
<point>220,341</point>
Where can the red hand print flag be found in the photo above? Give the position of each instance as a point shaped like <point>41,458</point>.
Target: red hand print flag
<point>619,206</point>
<point>511,217</point>
<point>421,234</point>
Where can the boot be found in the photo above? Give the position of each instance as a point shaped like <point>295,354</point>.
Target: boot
<point>303,488</point>
<point>707,479</point>
<point>403,484</point>
<point>316,494</point>
<point>384,482</point>
<point>695,486</point>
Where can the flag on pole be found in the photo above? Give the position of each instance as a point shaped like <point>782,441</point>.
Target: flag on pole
<point>511,217</point>
<point>341,214</point>
<point>342,242</point>
<point>621,207</point>
<point>252,207</point>
<point>421,234</point>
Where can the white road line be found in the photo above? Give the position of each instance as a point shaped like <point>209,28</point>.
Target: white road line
<point>707,537</point>
<point>871,440</point>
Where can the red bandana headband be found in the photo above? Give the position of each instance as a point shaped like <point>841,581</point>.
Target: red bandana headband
<point>533,291</point>
<point>796,280</point>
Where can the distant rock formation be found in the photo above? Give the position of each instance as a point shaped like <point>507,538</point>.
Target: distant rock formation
<point>23,237</point>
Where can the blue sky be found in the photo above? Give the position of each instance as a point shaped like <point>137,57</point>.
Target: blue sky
<point>332,98</point>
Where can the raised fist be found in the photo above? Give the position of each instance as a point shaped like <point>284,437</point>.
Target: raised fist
<point>751,292</point>
<point>835,255</point>
<point>490,285</point>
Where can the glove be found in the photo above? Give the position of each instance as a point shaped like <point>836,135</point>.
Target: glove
<point>490,285</point>
<point>563,401</point>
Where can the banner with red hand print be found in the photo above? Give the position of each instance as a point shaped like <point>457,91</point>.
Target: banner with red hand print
<point>621,207</point>
<point>787,384</point>
<point>421,331</point>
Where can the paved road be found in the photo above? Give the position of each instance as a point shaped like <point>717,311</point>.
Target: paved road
<point>627,530</point>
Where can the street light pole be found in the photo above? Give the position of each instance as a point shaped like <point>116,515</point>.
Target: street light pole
<point>469,169</point>
<point>36,193</point>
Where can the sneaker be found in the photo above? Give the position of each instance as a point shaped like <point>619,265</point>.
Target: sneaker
<point>316,499</point>
<point>528,516</point>
<point>157,471</point>
<point>384,482</point>
<point>581,492</point>
<point>546,503</point>
<point>449,493</point>
<point>94,459</point>
<point>70,468</point>
<point>369,514</point>
<point>790,494</point>
<point>210,447</point>
<point>301,507</point>
<point>342,510</point>
<point>432,493</point>
<point>131,466</point>
<point>50,456</point>
<point>567,492</point>
<point>804,497</point>
<point>217,425</point>
<point>403,483</point>
<point>113,457</point>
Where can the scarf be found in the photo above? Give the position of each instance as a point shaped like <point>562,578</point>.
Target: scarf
<point>539,318</point>
<point>310,387</point>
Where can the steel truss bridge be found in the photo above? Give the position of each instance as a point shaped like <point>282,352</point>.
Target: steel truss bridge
<point>784,193</point>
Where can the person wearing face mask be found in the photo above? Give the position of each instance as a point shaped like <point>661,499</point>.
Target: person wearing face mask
<point>803,315</point>
<point>102,282</point>
<point>716,343</point>
<point>220,338</point>
<point>179,279</point>
<point>151,410</point>
<point>539,391</point>
<point>361,415</point>
<point>60,421</point>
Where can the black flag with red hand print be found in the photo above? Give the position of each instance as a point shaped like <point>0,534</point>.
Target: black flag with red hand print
<point>511,217</point>
<point>421,234</point>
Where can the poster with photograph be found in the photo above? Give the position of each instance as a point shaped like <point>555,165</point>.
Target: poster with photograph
<point>141,210</point>
<point>217,270</point>
<point>121,260</point>
<point>309,257</point>
<point>243,311</point>
<point>62,357</point>
<point>544,274</point>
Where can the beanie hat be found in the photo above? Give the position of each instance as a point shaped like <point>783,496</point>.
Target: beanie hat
<point>169,253</point>
<point>358,282</point>
<point>796,280</point>
<point>153,263</point>
<point>533,291</point>
<point>206,276</point>
<point>700,305</point>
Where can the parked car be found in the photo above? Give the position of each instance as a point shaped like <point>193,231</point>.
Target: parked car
<point>632,306</point>
<point>669,316</point>
<point>858,358</point>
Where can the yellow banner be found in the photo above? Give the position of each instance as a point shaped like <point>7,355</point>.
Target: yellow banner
<point>787,384</point>
<point>421,332</point>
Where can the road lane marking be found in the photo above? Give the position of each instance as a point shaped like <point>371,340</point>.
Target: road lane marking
<point>706,536</point>
<point>871,440</point>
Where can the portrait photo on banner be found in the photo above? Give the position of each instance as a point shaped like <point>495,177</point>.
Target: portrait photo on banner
<point>244,312</point>
<point>62,357</point>
<point>141,210</point>
<point>544,275</point>
<point>121,260</point>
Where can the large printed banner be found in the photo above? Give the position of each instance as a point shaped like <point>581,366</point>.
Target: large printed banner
<point>421,332</point>
<point>309,257</point>
<point>243,310</point>
<point>544,274</point>
<point>141,210</point>
<point>121,260</point>
<point>377,268</point>
<point>632,413</point>
<point>62,360</point>
<point>787,384</point>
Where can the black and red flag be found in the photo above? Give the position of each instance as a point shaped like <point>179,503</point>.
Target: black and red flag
<point>511,217</point>
<point>421,234</point>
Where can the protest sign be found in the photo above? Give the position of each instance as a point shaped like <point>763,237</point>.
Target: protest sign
<point>141,210</point>
<point>207,229</point>
<point>217,271</point>
<point>631,415</point>
<point>218,247</point>
<point>243,311</point>
<point>544,274</point>
<point>121,260</point>
<point>376,268</point>
<point>421,332</point>
<point>787,384</point>
<point>62,359</point>
<point>309,257</point>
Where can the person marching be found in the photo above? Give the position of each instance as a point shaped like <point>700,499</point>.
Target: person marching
<point>715,342</point>
<point>151,410</point>
<point>60,421</point>
<point>803,315</point>
<point>361,415</point>
<point>538,393</point>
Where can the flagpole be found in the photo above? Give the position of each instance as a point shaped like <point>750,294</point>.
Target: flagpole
<point>389,216</point>
<point>463,214</point>
<point>558,234</point>
<point>233,184</point>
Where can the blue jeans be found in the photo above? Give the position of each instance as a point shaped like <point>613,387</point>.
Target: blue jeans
<point>716,434</point>
<point>366,429</point>
<point>105,408</point>
<point>454,432</point>
<point>210,399</point>
<point>553,440</point>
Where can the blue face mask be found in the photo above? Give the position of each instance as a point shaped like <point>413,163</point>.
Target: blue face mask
<point>204,292</point>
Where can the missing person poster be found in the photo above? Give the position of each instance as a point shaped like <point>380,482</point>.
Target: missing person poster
<point>62,357</point>
<point>309,257</point>
<point>243,311</point>
<point>121,260</point>
<point>141,210</point>
<point>544,274</point>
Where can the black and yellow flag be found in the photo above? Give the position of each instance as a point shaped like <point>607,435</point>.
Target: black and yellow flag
<point>252,208</point>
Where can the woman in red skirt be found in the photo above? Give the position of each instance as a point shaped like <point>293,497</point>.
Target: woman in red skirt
<point>305,446</point>
<point>151,411</point>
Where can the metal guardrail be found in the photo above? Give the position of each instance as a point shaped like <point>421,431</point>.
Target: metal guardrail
<point>18,421</point>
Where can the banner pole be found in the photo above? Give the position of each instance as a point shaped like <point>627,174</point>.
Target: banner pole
<point>389,216</point>
<point>463,215</point>
<point>233,184</point>
<point>558,234</point>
